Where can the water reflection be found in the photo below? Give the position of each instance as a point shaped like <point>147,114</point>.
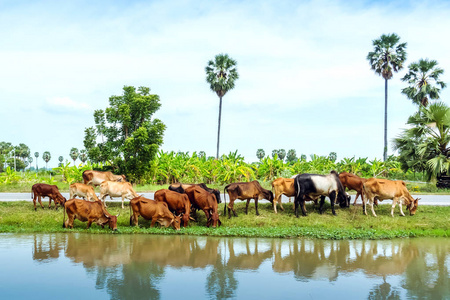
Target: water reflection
<point>132,266</point>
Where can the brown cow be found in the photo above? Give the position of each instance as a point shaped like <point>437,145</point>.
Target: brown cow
<point>88,211</point>
<point>180,187</point>
<point>246,191</point>
<point>156,211</point>
<point>396,190</point>
<point>282,186</point>
<point>353,182</point>
<point>97,177</point>
<point>178,204</point>
<point>201,199</point>
<point>117,189</point>
<point>82,190</point>
<point>39,190</point>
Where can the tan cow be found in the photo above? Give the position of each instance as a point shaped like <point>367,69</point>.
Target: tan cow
<point>178,204</point>
<point>353,182</point>
<point>116,189</point>
<point>245,191</point>
<point>97,177</point>
<point>383,189</point>
<point>85,211</point>
<point>83,191</point>
<point>206,201</point>
<point>282,186</point>
<point>157,211</point>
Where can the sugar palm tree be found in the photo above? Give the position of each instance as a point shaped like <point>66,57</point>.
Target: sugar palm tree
<point>36,154</point>
<point>74,154</point>
<point>83,156</point>
<point>423,80</point>
<point>221,74</point>
<point>46,156</point>
<point>260,154</point>
<point>388,57</point>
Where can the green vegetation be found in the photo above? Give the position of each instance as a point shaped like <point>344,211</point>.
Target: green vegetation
<point>20,217</point>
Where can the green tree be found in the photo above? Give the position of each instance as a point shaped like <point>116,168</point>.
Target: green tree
<point>291,156</point>
<point>74,154</point>
<point>36,154</point>
<point>274,153</point>
<point>429,137</point>
<point>83,156</point>
<point>423,80</point>
<point>5,149</point>
<point>46,156</point>
<point>221,74</point>
<point>281,154</point>
<point>332,156</point>
<point>260,154</point>
<point>388,57</point>
<point>30,160</point>
<point>60,158</point>
<point>131,136</point>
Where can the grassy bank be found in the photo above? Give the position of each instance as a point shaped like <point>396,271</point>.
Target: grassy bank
<point>430,221</point>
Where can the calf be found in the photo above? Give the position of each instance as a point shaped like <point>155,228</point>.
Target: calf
<point>39,190</point>
<point>97,177</point>
<point>201,199</point>
<point>353,182</point>
<point>117,189</point>
<point>178,204</point>
<point>246,191</point>
<point>158,212</point>
<point>86,211</point>
<point>383,189</point>
<point>82,190</point>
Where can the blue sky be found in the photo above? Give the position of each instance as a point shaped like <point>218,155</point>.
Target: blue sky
<point>305,83</point>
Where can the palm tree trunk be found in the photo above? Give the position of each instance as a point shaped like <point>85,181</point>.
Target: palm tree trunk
<point>385,119</point>
<point>218,131</point>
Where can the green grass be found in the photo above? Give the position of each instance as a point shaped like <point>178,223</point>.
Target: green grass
<point>429,221</point>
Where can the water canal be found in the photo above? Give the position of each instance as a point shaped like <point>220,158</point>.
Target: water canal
<point>90,266</point>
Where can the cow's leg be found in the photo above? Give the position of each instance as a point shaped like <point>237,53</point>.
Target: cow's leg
<point>279,200</point>
<point>322,202</point>
<point>296,201</point>
<point>371,206</point>
<point>394,203</point>
<point>34,201</point>
<point>103,198</point>
<point>246,206</point>
<point>89,223</point>
<point>333,196</point>
<point>357,195</point>
<point>364,207</point>
<point>256,206</point>
<point>275,201</point>
<point>231,208</point>
<point>303,206</point>
<point>123,198</point>
<point>40,201</point>
<point>153,222</point>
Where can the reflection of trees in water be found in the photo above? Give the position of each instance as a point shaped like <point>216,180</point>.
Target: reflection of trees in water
<point>427,277</point>
<point>47,247</point>
<point>383,292</point>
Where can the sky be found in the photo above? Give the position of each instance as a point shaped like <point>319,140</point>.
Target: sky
<point>304,80</point>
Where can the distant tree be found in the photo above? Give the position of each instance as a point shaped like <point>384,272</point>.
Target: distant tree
<point>202,154</point>
<point>274,152</point>
<point>46,156</point>
<point>60,158</point>
<point>36,154</point>
<point>74,154</point>
<point>291,156</point>
<point>303,157</point>
<point>83,156</point>
<point>332,156</point>
<point>424,82</point>
<point>221,74</point>
<point>5,149</point>
<point>281,154</point>
<point>388,57</point>
<point>30,160</point>
<point>131,135</point>
<point>260,154</point>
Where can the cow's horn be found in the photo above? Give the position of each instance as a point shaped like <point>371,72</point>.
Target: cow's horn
<point>118,214</point>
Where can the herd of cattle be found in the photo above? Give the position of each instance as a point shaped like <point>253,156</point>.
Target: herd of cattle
<point>177,205</point>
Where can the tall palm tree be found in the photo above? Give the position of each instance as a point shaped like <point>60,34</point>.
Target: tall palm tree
<point>83,156</point>
<point>221,73</point>
<point>388,57</point>
<point>423,80</point>
<point>46,156</point>
<point>260,154</point>
<point>74,154</point>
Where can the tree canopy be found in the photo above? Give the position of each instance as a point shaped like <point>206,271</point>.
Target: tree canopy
<point>125,135</point>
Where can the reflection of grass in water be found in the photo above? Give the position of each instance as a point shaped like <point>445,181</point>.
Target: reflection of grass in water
<point>348,224</point>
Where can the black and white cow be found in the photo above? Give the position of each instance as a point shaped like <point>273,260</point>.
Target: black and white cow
<point>312,186</point>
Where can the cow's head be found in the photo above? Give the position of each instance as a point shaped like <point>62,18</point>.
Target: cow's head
<point>216,193</point>
<point>123,178</point>
<point>269,196</point>
<point>344,200</point>
<point>413,206</point>
<point>176,221</point>
<point>112,221</point>
<point>214,220</point>
<point>185,218</point>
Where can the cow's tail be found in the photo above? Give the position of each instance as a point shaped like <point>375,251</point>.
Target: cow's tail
<point>225,201</point>
<point>64,215</point>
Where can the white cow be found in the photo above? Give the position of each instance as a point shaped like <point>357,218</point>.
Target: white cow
<point>117,189</point>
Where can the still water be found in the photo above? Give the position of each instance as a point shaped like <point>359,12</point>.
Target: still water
<point>88,266</point>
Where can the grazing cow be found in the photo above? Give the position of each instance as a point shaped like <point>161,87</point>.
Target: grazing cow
<point>92,212</point>
<point>157,211</point>
<point>178,204</point>
<point>117,189</point>
<point>97,177</point>
<point>82,190</point>
<point>246,191</point>
<point>180,187</point>
<point>315,185</point>
<point>383,189</point>
<point>39,190</point>
<point>201,199</point>
<point>353,182</point>
<point>282,186</point>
